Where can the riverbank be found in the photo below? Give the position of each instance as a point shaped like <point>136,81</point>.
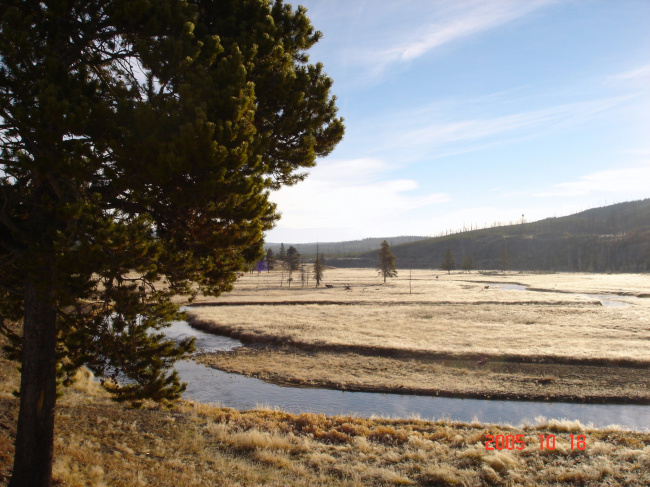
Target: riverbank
<point>101,443</point>
<point>485,378</point>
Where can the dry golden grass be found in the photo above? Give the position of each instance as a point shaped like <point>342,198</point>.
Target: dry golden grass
<point>455,287</point>
<point>101,443</point>
<point>442,377</point>
<point>454,335</point>
<point>451,315</point>
<point>104,444</point>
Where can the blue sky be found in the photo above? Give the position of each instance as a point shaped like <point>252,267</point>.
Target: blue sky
<point>464,113</point>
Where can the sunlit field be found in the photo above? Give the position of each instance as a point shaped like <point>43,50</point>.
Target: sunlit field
<point>453,314</point>
<point>101,443</point>
<point>458,335</point>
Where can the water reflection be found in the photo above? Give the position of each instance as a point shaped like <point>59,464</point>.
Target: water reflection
<point>233,390</point>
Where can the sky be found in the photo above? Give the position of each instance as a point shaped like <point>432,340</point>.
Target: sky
<point>463,113</point>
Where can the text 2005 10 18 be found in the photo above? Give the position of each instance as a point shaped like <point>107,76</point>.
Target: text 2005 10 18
<point>517,442</point>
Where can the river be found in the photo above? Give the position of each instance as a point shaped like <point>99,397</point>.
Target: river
<point>210,385</point>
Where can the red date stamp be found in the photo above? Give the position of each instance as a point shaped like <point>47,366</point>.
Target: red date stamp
<point>517,442</point>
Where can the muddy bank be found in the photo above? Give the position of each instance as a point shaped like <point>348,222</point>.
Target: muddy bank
<point>486,378</point>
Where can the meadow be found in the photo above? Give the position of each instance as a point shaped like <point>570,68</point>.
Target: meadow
<point>464,335</point>
<point>102,443</point>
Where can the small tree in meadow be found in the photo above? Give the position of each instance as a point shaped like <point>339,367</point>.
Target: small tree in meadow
<point>318,270</point>
<point>292,260</point>
<point>386,261</point>
<point>270,260</point>
<point>505,263</point>
<point>448,263</point>
<point>468,263</point>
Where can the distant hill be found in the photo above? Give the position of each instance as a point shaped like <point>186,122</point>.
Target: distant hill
<point>613,238</point>
<point>343,249</point>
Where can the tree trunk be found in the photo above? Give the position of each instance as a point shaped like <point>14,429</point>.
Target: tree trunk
<point>35,432</point>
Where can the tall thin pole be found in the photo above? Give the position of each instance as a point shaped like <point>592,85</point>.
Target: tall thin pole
<point>410,272</point>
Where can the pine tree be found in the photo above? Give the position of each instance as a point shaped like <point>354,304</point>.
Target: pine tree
<point>304,275</point>
<point>505,264</point>
<point>165,171</point>
<point>468,263</point>
<point>282,254</point>
<point>318,270</point>
<point>448,263</point>
<point>270,260</point>
<point>386,261</point>
<point>293,260</point>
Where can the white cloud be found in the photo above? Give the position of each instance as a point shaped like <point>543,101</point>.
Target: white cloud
<point>350,194</point>
<point>348,172</point>
<point>631,182</point>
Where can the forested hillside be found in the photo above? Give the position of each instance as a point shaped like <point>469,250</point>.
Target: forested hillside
<point>343,249</point>
<point>613,238</point>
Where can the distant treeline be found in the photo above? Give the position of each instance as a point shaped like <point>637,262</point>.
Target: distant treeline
<point>613,238</point>
<point>342,249</point>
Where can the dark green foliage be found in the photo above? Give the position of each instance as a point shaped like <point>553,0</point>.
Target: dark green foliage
<point>468,263</point>
<point>282,254</point>
<point>386,261</point>
<point>113,179</point>
<point>318,270</point>
<point>270,259</point>
<point>505,262</point>
<point>448,263</point>
<point>292,261</point>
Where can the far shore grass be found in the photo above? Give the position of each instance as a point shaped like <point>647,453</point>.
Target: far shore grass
<point>455,335</point>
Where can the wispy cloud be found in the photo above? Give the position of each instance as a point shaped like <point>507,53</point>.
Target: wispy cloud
<point>629,181</point>
<point>438,134</point>
<point>442,24</point>
<point>470,19</point>
<point>638,74</point>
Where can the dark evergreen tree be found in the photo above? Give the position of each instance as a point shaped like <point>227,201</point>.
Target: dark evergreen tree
<point>448,264</point>
<point>505,264</point>
<point>164,169</point>
<point>318,270</point>
<point>282,254</point>
<point>386,261</point>
<point>293,260</point>
<point>304,275</point>
<point>270,260</point>
<point>468,263</point>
